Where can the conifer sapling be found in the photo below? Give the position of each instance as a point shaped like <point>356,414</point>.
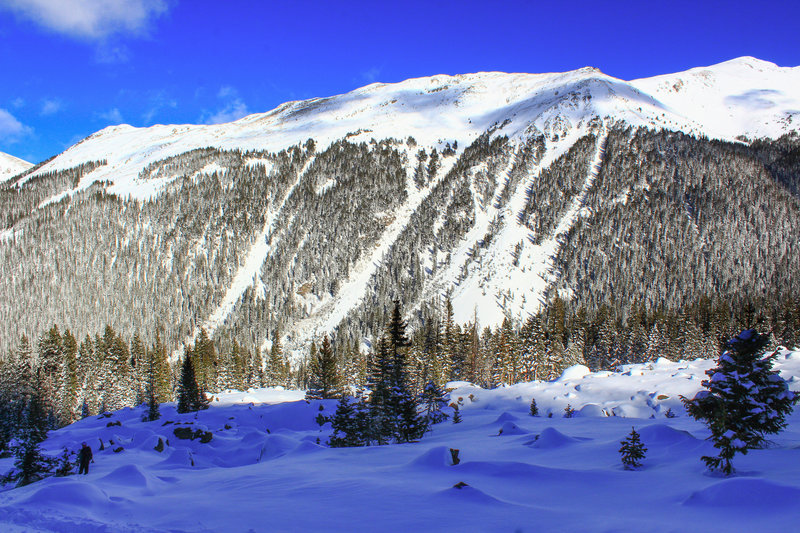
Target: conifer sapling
<point>632,451</point>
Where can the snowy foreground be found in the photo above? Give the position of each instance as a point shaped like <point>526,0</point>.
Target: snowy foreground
<point>264,471</point>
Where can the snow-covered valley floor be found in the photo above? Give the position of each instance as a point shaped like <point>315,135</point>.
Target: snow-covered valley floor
<point>264,471</point>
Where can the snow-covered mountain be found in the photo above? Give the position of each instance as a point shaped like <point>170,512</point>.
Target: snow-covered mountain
<point>742,97</point>
<point>10,166</point>
<point>464,185</point>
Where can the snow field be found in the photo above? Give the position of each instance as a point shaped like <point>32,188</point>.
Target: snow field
<point>264,471</point>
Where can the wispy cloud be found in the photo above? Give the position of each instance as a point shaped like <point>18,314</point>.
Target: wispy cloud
<point>233,108</point>
<point>372,75</point>
<point>50,106</point>
<point>158,101</point>
<point>112,116</point>
<point>11,129</point>
<point>90,19</point>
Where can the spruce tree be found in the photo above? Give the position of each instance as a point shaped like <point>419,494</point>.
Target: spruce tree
<point>190,397</point>
<point>324,379</point>
<point>433,401</point>
<point>632,451</point>
<point>30,463</point>
<point>744,400</point>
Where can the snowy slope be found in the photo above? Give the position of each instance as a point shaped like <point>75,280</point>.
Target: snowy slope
<point>744,96</point>
<point>740,97</point>
<point>264,471</point>
<point>10,166</point>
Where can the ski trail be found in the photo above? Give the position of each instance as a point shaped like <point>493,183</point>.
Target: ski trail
<point>249,269</point>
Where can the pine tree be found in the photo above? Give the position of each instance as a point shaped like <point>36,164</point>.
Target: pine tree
<point>345,425</point>
<point>190,397</point>
<point>744,399</point>
<point>30,464</point>
<point>160,369</point>
<point>534,408</point>
<point>456,414</point>
<point>68,393</point>
<point>278,366</point>
<point>205,361</point>
<point>324,379</point>
<point>632,451</point>
<point>433,401</point>
<point>408,424</point>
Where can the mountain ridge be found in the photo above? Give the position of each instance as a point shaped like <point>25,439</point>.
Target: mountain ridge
<point>477,179</point>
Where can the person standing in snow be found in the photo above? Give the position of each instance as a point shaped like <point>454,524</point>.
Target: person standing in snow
<point>84,457</point>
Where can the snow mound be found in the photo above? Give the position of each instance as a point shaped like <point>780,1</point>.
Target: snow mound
<point>510,428</point>
<point>180,457</point>
<point>68,493</point>
<point>746,493</point>
<point>662,434</point>
<point>574,372</point>
<point>436,457</point>
<point>551,438</point>
<point>470,495</point>
<point>592,410</point>
<point>506,417</point>
<point>128,475</point>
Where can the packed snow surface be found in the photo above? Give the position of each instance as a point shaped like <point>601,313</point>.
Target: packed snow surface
<point>264,469</point>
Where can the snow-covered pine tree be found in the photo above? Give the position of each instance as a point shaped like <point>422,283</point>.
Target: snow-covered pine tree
<point>744,399</point>
<point>408,425</point>
<point>632,451</point>
<point>30,463</point>
<point>534,408</point>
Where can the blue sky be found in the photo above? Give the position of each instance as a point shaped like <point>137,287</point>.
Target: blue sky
<point>72,67</point>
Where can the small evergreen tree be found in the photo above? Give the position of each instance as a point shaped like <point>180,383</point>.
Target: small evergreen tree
<point>456,415</point>
<point>347,429</point>
<point>534,407</point>
<point>65,463</point>
<point>569,412</point>
<point>744,399</point>
<point>433,401</point>
<point>632,451</point>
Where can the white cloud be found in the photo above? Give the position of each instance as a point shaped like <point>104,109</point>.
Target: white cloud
<point>12,129</point>
<point>112,116</point>
<point>233,109</point>
<point>50,106</point>
<point>18,102</point>
<point>90,19</point>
